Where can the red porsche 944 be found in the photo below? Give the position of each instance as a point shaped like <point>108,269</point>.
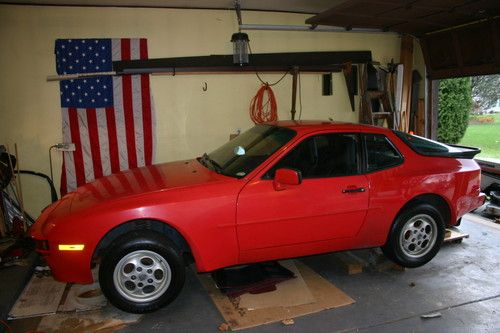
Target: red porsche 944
<point>279,190</point>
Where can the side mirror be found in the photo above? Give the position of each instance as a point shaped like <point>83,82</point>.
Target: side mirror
<point>286,177</point>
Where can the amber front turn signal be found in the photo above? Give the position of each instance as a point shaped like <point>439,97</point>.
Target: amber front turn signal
<point>72,247</point>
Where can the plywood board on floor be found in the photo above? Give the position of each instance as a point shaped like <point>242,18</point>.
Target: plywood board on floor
<point>325,294</point>
<point>41,296</point>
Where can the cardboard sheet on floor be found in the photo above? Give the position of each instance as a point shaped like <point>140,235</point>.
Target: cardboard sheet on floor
<point>295,291</point>
<point>83,297</point>
<point>284,303</point>
<point>41,296</point>
<point>109,319</point>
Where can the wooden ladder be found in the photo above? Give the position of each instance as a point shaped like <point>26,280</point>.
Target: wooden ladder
<point>366,113</point>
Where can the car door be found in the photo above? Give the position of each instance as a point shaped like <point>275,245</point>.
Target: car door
<point>330,203</point>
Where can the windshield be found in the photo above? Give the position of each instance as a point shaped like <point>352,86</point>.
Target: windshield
<point>248,150</point>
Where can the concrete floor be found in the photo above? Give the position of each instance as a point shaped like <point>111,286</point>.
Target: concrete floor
<point>462,283</point>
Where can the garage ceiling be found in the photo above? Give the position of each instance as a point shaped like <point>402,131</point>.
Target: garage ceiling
<point>412,17</point>
<point>458,37</point>
<point>295,6</point>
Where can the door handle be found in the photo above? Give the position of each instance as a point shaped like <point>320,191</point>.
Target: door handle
<point>353,190</point>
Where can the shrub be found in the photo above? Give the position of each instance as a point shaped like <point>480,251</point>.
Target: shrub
<point>455,104</point>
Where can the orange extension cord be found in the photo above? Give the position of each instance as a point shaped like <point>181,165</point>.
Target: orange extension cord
<point>260,111</point>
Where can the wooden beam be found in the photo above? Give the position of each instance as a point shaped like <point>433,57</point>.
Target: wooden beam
<point>347,70</point>
<point>3,225</point>
<point>420,121</point>
<point>307,61</point>
<point>406,58</point>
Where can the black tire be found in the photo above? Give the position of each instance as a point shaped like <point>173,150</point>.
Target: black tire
<point>416,236</point>
<point>141,272</point>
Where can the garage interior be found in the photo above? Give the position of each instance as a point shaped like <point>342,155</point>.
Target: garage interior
<point>319,58</point>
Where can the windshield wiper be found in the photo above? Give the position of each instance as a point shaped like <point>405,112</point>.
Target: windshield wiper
<point>214,164</point>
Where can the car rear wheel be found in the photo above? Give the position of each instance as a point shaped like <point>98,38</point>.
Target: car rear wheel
<point>141,272</point>
<point>416,236</point>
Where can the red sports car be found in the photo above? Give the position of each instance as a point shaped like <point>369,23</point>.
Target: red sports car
<point>279,190</point>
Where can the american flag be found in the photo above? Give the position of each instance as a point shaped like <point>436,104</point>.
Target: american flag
<point>108,118</point>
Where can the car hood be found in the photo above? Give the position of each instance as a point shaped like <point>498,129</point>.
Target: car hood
<point>140,181</point>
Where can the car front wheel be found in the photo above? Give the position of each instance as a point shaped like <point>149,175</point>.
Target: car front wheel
<point>141,272</point>
<point>416,236</point>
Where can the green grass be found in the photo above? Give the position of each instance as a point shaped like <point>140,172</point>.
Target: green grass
<point>484,136</point>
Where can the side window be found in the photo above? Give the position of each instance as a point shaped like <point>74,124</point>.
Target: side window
<point>380,153</point>
<point>326,155</point>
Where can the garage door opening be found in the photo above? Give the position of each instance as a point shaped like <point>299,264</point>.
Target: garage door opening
<point>484,120</point>
<point>469,113</point>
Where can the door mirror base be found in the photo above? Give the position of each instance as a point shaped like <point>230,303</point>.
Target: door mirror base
<point>286,177</point>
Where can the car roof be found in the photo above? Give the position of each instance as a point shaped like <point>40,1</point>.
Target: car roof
<point>319,125</point>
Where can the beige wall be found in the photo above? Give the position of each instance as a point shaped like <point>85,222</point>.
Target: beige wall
<point>189,120</point>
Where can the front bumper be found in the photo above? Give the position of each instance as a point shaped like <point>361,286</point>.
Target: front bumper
<point>66,266</point>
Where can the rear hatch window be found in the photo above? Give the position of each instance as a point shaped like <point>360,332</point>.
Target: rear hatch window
<point>428,147</point>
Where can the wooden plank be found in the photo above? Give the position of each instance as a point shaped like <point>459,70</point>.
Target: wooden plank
<point>349,264</point>
<point>420,128</point>
<point>3,226</point>
<point>327,296</point>
<point>406,58</point>
<point>349,81</point>
<point>454,234</point>
<point>387,265</point>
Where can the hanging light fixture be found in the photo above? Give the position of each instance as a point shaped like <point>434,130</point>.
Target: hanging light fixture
<point>240,48</point>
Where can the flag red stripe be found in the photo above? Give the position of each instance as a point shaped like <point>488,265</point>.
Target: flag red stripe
<point>143,42</point>
<point>94,143</point>
<point>77,154</point>
<point>112,139</point>
<point>147,121</point>
<point>128,110</point>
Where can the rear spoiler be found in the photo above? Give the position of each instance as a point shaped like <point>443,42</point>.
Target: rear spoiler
<point>463,152</point>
